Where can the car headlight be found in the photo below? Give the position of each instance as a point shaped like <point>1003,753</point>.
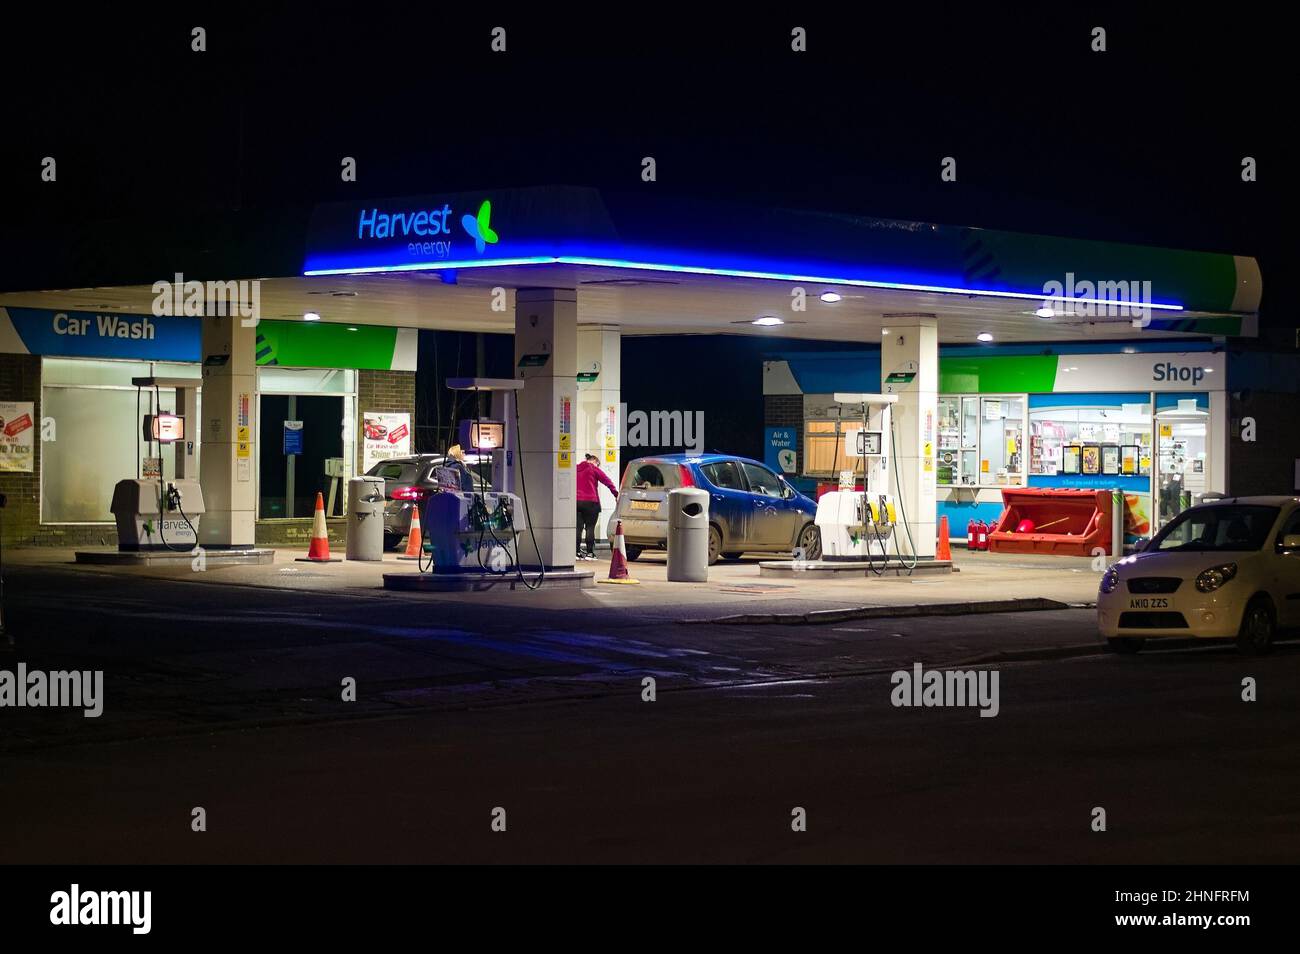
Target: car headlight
<point>1207,581</point>
<point>1110,579</point>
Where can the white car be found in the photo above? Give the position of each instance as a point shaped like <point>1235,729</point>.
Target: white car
<point>1229,569</point>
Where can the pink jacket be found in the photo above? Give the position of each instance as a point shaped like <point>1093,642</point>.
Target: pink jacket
<point>588,474</point>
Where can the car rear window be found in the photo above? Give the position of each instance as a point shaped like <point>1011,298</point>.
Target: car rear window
<point>394,470</point>
<point>652,474</point>
<point>1221,527</point>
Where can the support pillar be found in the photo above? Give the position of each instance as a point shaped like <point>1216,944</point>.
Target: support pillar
<point>600,350</point>
<point>226,470</point>
<point>909,367</point>
<point>546,324</point>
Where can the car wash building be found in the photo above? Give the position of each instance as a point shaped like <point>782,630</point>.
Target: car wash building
<point>569,271</point>
<point>310,416</point>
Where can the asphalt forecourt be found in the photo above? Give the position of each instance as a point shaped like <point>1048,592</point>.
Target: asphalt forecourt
<point>734,592</point>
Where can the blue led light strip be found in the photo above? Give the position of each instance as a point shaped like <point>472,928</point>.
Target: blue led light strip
<point>726,273</point>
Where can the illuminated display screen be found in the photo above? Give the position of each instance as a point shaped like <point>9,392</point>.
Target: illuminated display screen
<point>164,428</point>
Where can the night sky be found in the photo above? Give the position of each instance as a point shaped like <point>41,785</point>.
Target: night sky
<point>1141,143</point>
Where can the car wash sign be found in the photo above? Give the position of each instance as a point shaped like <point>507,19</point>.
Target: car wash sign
<point>89,334</point>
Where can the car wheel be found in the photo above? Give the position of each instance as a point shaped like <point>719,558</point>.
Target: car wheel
<point>715,545</point>
<point>733,554</point>
<point>392,540</point>
<point>1258,624</point>
<point>632,551</point>
<point>1126,645</point>
<point>810,542</point>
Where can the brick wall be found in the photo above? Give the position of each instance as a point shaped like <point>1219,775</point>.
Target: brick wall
<point>785,410</point>
<point>392,391</point>
<point>20,380</point>
<point>1265,465</point>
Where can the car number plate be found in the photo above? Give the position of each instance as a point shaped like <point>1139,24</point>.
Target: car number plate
<point>645,505</point>
<point>1149,602</point>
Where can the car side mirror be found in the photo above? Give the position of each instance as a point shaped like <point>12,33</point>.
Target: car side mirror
<point>787,492</point>
<point>1289,541</point>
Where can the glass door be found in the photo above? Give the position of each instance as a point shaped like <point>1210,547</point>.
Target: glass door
<point>1182,461</point>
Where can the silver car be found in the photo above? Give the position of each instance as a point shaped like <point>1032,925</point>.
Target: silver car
<point>408,482</point>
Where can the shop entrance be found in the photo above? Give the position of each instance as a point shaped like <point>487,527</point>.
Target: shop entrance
<point>288,481</point>
<point>1182,458</point>
<point>305,440</point>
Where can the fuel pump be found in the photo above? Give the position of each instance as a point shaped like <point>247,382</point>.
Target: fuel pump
<point>859,524</point>
<point>474,525</point>
<point>153,513</point>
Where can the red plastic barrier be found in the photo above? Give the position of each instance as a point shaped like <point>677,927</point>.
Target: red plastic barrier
<point>826,486</point>
<point>1067,522</point>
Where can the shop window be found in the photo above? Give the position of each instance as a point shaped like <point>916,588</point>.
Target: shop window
<point>958,450</point>
<point>981,440</point>
<point>1002,432</point>
<point>823,444</point>
<point>1112,440</point>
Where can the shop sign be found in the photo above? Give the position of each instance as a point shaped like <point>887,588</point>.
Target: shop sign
<point>17,437</point>
<point>1073,373</point>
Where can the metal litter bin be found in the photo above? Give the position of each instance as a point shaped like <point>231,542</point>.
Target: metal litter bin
<point>688,535</point>
<point>365,518</point>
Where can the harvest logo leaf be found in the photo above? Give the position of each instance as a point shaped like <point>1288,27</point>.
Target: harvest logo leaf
<point>479,227</point>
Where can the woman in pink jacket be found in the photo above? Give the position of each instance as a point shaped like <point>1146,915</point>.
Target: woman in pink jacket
<point>590,477</point>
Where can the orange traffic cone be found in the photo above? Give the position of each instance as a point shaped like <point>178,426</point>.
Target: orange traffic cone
<point>319,549</point>
<point>618,559</point>
<point>414,541</point>
<point>944,552</point>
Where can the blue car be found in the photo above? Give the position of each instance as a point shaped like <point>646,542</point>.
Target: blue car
<point>751,509</point>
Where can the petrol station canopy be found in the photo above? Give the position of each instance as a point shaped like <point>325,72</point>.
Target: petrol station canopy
<point>644,263</point>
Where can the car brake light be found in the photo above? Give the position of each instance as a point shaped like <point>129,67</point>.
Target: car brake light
<point>687,479</point>
<point>409,493</point>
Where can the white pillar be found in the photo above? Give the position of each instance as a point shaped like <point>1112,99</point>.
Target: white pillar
<point>600,349</point>
<point>226,463</point>
<point>546,323</point>
<point>909,367</point>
